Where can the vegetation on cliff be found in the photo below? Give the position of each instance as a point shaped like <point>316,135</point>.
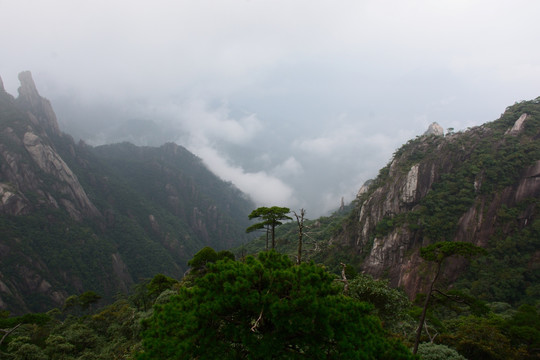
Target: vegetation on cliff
<point>75,218</point>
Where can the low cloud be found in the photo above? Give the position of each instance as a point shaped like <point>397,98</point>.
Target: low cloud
<point>263,188</point>
<point>199,119</point>
<point>290,167</point>
<point>343,134</point>
<point>206,127</point>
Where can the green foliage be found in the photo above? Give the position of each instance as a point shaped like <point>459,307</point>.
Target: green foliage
<point>87,298</point>
<point>75,303</point>
<point>439,251</point>
<point>391,305</point>
<point>270,218</point>
<point>317,234</point>
<point>205,256</point>
<point>265,307</point>
<point>509,273</point>
<point>523,329</point>
<point>160,283</point>
<point>110,333</point>
<point>146,292</point>
<point>22,349</point>
<point>479,338</point>
<point>430,351</point>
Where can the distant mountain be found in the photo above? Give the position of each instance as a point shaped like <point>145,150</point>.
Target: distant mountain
<point>75,218</point>
<point>481,185</point>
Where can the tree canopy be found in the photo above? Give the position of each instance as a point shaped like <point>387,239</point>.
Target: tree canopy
<point>271,217</point>
<point>438,253</point>
<point>266,308</point>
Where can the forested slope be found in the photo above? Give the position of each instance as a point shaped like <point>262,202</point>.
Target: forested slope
<point>75,218</point>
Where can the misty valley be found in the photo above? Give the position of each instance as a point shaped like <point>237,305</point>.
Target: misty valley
<point>120,251</point>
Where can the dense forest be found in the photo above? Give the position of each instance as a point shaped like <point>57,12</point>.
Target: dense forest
<point>266,306</point>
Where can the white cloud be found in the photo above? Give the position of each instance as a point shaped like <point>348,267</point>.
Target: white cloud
<point>290,167</point>
<point>191,67</point>
<point>200,121</point>
<point>343,133</point>
<point>264,189</point>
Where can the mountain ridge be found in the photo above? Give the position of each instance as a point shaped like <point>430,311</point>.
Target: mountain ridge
<point>77,218</point>
<point>458,187</point>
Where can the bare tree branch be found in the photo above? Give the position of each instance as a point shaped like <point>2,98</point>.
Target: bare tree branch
<point>7,332</point>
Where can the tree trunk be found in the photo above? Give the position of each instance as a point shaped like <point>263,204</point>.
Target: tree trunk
<point>300,222</point>
<point>424,310</point>
<point>273,237</point>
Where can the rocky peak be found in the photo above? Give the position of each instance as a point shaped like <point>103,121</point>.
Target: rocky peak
<point>40,108</point>
<point>467,190</point>
<point>26,155</point>
<point>435,129</point>
<point>2,85</point>
<point>518,125</point>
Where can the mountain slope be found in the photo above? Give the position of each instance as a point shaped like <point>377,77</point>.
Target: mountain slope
<point>75,218</point>
<point>480,186</point>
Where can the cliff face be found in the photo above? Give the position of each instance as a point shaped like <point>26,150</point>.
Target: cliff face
<point>75,218</point>
<point>451,188</point>
<point>29,158</point>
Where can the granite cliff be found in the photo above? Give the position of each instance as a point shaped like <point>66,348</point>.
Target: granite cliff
<point>481,185</point>
<point>75,218</point>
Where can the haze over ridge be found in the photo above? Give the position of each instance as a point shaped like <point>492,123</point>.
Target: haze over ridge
<point>297,103</point>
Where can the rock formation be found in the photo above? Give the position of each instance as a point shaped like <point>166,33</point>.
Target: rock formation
<point>391,214</point>
<point>39,109</point>
<point>435,129</point>
<point>518,125</point>
<point>22,148</point>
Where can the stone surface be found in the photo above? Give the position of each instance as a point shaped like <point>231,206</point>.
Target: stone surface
<point>408,193</point>
<point>51,163</point>
<point>40,108</point>
<point>518,125</point>
<point>435,129</point>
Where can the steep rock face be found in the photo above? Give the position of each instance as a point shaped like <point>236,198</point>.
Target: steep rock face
<point>445,188</point>
<point>40,110</point>
<point>74,197</point>
<point>518,125</point>
<point>435,129</point>
<point>29,158</point>
<point>75,218</point>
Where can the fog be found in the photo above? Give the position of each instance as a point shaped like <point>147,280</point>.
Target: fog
<point>296,102</point>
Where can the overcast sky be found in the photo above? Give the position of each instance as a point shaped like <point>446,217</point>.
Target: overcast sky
<point>296,102</point>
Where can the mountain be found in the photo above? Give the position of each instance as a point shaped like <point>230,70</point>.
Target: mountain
<point>481,186</point>
<point>75,218</point>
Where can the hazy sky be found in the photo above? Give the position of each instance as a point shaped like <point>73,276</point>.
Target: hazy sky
<point>296,102</point>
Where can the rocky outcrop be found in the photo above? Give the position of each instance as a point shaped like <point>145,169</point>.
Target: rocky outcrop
<point>29,154</point>
<point>12,202</point>
<point>435,129</point>
<point>40,110</point>
<point>408,192</point>
<point>388,240</point>
<point>518,125</point>
<point>75,200</point>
